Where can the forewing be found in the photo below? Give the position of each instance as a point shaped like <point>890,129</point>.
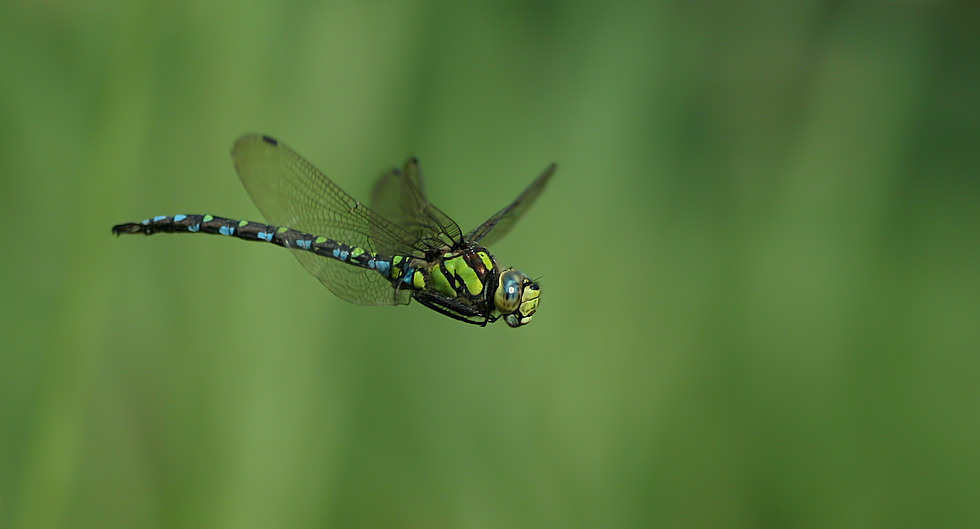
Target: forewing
<point>290,192</point>
<point>400,197</point>
<point>498,225</point>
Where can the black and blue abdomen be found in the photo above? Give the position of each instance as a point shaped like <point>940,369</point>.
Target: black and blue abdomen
<point>394,268</point>
<point>463,278</point>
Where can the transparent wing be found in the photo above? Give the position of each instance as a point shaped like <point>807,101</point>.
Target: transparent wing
<point>351,283</point>
<point>498,225</point>
<point>290,192</point>
<point>400,198</point>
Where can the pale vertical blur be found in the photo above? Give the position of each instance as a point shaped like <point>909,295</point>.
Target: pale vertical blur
<point>759,257</point>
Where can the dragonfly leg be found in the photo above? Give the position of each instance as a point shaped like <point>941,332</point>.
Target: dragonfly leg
<point>452,308</point>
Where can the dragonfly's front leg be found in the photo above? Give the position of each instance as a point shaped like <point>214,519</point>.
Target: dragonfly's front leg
<point>452,308</point>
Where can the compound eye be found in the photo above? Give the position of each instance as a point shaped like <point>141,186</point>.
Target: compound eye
<point>508,295</point>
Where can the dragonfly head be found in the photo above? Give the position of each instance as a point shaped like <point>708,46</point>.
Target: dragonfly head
<point>516,297</point>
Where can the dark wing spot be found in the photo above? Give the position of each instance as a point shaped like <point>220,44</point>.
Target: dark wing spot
<point>270,141</point>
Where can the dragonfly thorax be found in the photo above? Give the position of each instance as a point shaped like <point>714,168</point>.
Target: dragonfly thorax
<point>467,272</point>
<point>466,283</point>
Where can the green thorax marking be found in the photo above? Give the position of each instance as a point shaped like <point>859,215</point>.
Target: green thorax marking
<point>463,273</point>
<point>418,280</point>
<point>441,283</point>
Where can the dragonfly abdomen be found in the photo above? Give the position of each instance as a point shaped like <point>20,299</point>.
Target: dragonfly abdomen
<point>397,268</point>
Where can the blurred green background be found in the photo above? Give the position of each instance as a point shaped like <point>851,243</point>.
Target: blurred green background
<point>759,260</point>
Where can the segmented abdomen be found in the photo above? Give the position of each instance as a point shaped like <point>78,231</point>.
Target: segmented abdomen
<point>278,235</point>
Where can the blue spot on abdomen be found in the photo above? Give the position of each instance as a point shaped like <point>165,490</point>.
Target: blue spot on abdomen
<point>383,266</point>
<point>178,218</point>
<point>196,227</point>
<point>265,236</point>
<point>304,244</point>
<point>226,230</point>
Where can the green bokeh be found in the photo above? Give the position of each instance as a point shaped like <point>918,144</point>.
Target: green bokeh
<point>760,258</point>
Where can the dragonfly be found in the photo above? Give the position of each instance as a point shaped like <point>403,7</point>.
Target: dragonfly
<point>400,248</point>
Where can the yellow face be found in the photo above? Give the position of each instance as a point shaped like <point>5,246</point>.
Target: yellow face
<point>516,297</point>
